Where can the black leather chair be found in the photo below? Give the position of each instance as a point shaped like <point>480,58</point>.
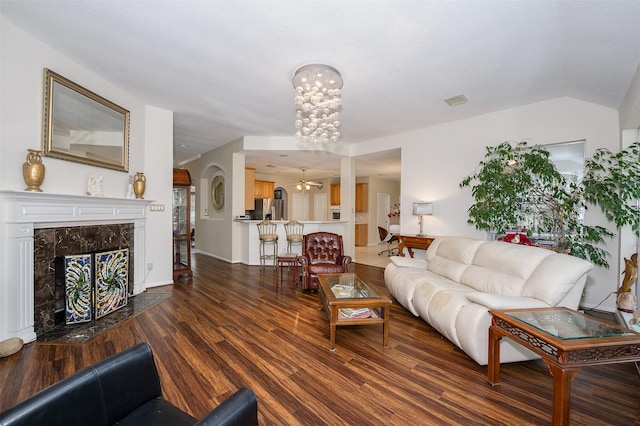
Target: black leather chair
<point>322,253</point>
<point>123,389</point>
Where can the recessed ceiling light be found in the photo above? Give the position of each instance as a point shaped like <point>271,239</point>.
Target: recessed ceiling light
<point>183,145</point>
<point>456,100</point>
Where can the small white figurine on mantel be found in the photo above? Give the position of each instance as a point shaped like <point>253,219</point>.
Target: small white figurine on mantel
<point>130,193</point>
<point>94,186</point>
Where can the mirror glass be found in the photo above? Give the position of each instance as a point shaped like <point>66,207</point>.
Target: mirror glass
<point>82,126</point>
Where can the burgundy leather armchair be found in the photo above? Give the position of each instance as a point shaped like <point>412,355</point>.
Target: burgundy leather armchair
<point>322,253</point>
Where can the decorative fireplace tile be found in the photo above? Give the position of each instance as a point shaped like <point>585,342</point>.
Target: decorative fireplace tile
<point>92,239</point>
<point>69,240</point>
<point>77,282</point>
<point>111,280</point>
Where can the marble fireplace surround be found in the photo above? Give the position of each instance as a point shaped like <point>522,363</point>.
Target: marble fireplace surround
<point>23,212</point>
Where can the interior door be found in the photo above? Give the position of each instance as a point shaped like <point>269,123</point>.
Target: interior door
<point>320,206</point>
<point>300,206</point>
<point>384,206</point>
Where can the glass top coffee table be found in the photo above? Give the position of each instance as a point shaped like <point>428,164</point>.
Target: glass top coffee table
<point>566,340</point>
<point>349,300</point>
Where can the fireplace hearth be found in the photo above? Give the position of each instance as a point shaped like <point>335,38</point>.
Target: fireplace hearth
<point>81,333</point>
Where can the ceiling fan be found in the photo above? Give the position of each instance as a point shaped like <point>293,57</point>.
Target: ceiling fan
<point>305,185</point>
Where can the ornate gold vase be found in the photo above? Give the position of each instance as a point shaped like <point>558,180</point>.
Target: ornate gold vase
<point>33,171</point>
<point>139,184</point>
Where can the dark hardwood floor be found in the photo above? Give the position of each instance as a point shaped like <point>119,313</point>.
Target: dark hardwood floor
<point>229,328</point>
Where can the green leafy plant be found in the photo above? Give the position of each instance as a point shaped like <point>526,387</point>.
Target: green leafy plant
<point>515,182</point>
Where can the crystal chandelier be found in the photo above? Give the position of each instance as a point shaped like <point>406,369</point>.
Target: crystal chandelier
<point>317,103</point>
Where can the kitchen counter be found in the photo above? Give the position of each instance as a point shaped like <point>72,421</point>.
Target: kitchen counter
<point>285,221</point>
<point>250,254</point>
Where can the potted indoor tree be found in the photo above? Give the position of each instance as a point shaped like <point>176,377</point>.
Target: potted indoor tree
<point>515,182</point>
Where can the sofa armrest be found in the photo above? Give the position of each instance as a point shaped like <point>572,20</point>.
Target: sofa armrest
<point>343,260</point>
<point>497,301</point>
<point>73,400</point>
<point>241,408</point>
<point>408,262</point>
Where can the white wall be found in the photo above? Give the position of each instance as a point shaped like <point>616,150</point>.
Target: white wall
<point>630,107</point>
<point>436,159</point>
<point>22,60</point>
<point>158,169</point>
<point>215,231</point>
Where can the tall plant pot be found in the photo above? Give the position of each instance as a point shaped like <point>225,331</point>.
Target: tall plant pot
<point>33,171</point>
<point>139,185</point>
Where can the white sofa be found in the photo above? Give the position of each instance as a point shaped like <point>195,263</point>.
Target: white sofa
<point>460,279</point>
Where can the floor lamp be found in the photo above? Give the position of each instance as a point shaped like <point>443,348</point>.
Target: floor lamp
<point>421,209</point>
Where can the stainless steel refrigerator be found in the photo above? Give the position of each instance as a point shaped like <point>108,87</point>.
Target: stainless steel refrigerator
<point>269,208</point>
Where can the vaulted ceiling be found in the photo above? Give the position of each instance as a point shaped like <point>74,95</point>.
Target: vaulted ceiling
<point>225,67</point>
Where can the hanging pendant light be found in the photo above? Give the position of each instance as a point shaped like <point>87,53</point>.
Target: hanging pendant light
<point>318,102</point>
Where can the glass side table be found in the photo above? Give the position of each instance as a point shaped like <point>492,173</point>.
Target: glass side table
<point>566,340</point>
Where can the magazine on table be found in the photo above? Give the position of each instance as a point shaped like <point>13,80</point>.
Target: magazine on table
<point>354,312</point>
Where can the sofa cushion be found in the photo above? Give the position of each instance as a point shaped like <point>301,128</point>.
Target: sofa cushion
<point>555,277</point>
<point>495,301</point>
<point>442,310</point>
<point>502,268</point>
<point>430,285</point>
<point>489,281</point>
<point>459,249</point>
<point>402,282</point>
<point>451,256</point>
<point>157,412</point>
<point>512,259</point>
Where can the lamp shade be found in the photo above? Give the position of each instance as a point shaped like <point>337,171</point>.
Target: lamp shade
<point>422,208</point>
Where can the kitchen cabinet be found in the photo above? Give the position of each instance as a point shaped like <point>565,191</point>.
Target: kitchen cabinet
<point>263,189</point>
<point>361,239</point>
<point>181,223</point>
<point>335,194</point>
<point>249,183</point>
<point>362,197</point>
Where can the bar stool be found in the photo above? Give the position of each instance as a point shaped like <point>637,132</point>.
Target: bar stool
<point>268,236</point>
<point>294,230</point>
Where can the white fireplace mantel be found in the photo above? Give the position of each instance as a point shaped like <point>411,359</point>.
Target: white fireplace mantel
<point>21,213</point>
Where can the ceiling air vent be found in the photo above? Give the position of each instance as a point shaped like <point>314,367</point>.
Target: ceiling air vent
<point>456,100</point>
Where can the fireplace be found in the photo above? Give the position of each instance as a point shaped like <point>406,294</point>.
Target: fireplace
<point>50,247</point>
<point>32,222</point>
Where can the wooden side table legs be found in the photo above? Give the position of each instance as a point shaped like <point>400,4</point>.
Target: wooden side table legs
<point>493,366</point>
<point>562,378</point>
<point>287,261</point>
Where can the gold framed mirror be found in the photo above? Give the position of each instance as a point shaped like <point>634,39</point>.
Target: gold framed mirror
<point>81,126</point>
<point>217,192</point>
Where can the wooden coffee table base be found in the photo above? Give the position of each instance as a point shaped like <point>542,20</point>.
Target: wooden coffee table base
<point>380,306</point>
